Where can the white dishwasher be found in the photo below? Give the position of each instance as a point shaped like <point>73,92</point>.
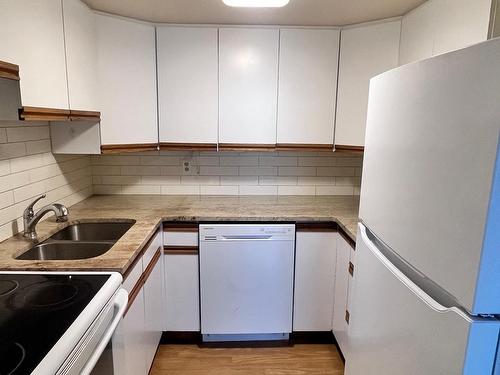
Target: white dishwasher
<point>246,281</point>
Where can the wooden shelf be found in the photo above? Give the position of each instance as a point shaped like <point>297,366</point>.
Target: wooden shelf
<point>247,147</point>
<point>304,147</point>
<point>43,114</point>
<point>135,147</point>
<point>349,149</point>
<point>8,70</point>
<point>171,146</point>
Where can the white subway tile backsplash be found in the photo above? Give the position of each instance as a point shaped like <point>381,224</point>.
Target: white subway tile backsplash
<point>239,180</point>
<point>4,167</point>
<point>225,173</point>
<point>200,180</point>
<point>334,190</point>
<point>278,161</point>
<point>258,190</point>
<point>3,135</point>
<point>296,190</point>
<point>269,180</point>
<point>218,190</point>
<point>218,171</point>
<point>296,171</point>
<point>316,181</point>
<point>258,171</point>
<point>180,190</point>
<point>239,160</point>
<point>25,163</point>
<point>23,134</point>
<point>38,147</point>
<point>6,199</point>
<point>12,150</point>
<point>335,171</point>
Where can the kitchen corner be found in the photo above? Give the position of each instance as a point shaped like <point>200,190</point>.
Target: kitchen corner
<point>150,211</point>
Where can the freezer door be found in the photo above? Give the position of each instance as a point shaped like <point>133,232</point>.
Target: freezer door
<point>429,186</point>
<point>396,328</point>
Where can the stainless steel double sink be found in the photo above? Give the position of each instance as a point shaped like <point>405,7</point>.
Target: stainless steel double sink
<point>79,241</point>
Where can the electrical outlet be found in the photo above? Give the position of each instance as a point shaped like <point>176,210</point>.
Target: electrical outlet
<point>186,167</point>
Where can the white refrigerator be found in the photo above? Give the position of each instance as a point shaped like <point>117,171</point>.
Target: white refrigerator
<point>426,288</point>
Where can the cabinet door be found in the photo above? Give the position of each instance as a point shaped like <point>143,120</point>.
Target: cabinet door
<point>248,80</point>
<point>129,341</point>
<point>187,84</point>
<point>32,37</point>
<point>182,292</point>
<point>365,52</point>
<point>417,34</point>
<point>154,310</point>
<point>307,86</point>
<point>340,307</point>
<point>81,55</point>
<point>127,81</point>
<point>314,281</point>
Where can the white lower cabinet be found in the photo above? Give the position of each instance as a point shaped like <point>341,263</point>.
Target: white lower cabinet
<point>182,285</point>
<point>138,334</point>
<point>182,292</point>
<point>154,311</point>
<point>314,281</point>
<point>343,278</point>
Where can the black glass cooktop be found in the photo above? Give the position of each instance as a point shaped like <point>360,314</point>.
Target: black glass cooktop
<point>35,311</point>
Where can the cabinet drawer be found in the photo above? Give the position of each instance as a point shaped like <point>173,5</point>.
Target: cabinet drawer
<point>133,277</point>
<point>153,245</point>
<point>180,235</point>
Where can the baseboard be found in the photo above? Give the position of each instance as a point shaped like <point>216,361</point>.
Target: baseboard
<point>180,338</point>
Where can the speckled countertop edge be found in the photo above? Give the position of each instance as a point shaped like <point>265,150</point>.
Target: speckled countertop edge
<point>150,211</point>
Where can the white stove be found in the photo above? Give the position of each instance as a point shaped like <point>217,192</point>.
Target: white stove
<point>57,322</point>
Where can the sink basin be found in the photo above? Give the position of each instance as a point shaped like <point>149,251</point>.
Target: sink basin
<point>66,251</point>
<point>108,231</point>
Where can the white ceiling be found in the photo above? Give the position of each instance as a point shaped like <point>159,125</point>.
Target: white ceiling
<point>297,12</point>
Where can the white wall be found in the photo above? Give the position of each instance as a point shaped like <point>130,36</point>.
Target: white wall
<point>439,26</point>
<point>227,173</point>
<point>28,169</point>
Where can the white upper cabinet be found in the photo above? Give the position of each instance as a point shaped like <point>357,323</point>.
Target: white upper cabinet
<point>81,55</point>
<point>187,84</point>
<point>440,26</point>
<point>248,80</point>
<point>127,81</point>
<point>365,52</point>
<point>32,37</point>
<point>307,86</point>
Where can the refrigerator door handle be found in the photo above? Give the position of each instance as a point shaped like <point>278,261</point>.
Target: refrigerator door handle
<point>428,300</point>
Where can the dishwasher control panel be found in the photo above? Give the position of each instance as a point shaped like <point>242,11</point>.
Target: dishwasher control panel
<point>228,232</point>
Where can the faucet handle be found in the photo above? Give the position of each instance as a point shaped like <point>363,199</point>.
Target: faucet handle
<point>29,209</point>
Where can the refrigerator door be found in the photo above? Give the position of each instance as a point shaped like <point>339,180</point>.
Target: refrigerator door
<point>431,182</point>
<point>397,328</point>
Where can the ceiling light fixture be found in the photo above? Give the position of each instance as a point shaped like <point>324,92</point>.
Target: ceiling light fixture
<point>256,3</point>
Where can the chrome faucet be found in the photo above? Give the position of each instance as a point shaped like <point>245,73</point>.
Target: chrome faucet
<point>31,219</point>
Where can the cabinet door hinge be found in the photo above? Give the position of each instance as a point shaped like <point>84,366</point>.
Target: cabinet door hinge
<point>351,269</point>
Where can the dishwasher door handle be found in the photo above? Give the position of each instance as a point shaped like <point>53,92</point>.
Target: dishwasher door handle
<point>248,237</point>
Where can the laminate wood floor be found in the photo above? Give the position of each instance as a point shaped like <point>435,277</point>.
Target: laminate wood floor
<point>310,359</point>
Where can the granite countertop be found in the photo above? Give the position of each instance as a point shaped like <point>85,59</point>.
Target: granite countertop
<point>150,211</point>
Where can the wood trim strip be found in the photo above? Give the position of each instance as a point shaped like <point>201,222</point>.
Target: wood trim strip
<point>246,147</point>
<point>180,250</point>
<point>43,114</point>
<point>304,147</point>
<point>349,148</point>
<point>84,115</point>
<point>348,239</point>
<point>351,269</point>
<point>133,294</point>
<point>8,70</point>
<point>316,227</point>
<point>141,253</point>
<point>173,146</point>
<point>149,269</point>
<point>134,147</point>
